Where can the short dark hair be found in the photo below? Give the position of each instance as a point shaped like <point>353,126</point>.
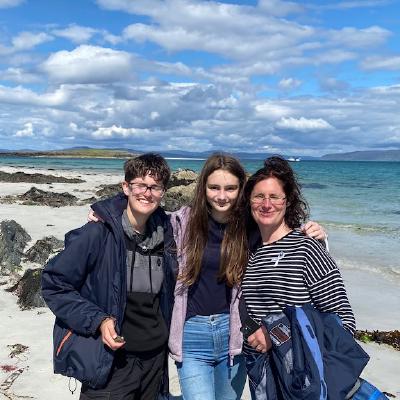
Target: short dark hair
<point>297,210</point>
<point>149,163</point>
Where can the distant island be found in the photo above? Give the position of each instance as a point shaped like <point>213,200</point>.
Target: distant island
<point>73,153</point>
<point>370,155</point>
<point>87,152</point>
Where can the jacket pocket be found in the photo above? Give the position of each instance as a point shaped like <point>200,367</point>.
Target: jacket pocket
<point>63,341</point>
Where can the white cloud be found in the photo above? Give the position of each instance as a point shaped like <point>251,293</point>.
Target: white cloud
<point>22,96</point>
<point>381,63</point>
<point>19,75</point>
<point>359,38</point>
<point>280,8</point>
<point>10,3</point>
<point>27,131</point>
<point>289,83</point>
<point>345,5</point>
<point>29,40</point>
<point>75,33</point>
<point>89,64</point>
<point>303,124</point>
<point>118,131</point>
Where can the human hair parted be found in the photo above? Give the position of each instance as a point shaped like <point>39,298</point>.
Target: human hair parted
<point>234,244</point>
<point>149,163</point>
<point>297,210</point>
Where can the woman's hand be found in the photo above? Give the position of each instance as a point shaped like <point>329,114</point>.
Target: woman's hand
<point>108,334</point>
<point>92,217</point>
<point>260,340</point>
<point>314,230</point>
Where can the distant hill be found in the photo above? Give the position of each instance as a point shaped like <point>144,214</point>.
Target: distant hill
<point>81,152</point>
<point>369,155</point>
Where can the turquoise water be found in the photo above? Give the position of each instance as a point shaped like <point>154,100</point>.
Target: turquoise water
<point>358,203</point>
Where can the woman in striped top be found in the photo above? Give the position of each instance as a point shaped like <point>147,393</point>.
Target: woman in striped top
<point>287,268</point>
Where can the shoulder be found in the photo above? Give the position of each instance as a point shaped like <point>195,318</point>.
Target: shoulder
<point>91,232</point>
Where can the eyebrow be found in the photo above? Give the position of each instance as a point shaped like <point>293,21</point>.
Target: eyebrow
<point>225,186</point>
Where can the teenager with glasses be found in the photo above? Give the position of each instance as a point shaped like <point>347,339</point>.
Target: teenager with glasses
<point>111,290</point>
<point>205,338</point>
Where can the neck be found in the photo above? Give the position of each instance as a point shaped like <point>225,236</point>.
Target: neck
<point>274,233</point>
<point>138,222</point>
<point>221,217</point>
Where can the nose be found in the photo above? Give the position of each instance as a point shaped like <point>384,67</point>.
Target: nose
<point>266,202</point>
<point>221,195</point>
<point>148,188</point>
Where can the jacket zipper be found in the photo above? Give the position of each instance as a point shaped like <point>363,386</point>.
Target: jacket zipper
<point>65,338</point>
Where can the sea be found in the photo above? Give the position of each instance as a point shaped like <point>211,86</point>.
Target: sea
<point>358,203</point>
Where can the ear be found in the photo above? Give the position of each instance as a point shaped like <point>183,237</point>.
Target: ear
<point>125,188</point>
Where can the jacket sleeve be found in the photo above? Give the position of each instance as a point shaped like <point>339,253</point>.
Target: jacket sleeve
<point>65,274</point>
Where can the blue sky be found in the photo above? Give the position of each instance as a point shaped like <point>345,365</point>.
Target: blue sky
<point>291,77</point>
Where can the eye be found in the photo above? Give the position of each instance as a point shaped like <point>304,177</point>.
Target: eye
<point>231,188</point>
<point>274,197</point>
<point>213,187</point>
<point>259,196</point>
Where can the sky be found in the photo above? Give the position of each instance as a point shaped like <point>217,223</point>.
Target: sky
<point>291,77</point>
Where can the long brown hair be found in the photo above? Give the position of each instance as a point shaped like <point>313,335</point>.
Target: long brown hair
<point>234,244</point>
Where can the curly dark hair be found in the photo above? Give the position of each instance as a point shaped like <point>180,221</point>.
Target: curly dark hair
<point>149,163</point>
<point>297,210</point>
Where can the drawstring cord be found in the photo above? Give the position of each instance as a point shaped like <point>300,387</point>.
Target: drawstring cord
<point>69,385</point>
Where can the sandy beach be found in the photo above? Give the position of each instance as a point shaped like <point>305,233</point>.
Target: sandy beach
<point>375,300</point>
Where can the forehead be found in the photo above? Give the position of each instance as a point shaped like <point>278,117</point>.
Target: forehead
<point>147,179</point>
<point>222,178</point>
<point>269,185</point>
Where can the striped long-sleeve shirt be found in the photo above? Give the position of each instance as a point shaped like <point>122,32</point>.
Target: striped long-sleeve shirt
<point>295,270</point>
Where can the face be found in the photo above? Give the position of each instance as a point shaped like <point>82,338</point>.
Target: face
<point>222,190</point>
<point>143,203</point>
<point>267,213</point>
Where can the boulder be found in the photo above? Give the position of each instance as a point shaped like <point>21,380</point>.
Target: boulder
<point>178,196</point>
<point>108,191</point>
<point>35,196</point>
<point>28,289</point>
<point>35,178</point>
<point>182,177</point>
<point>13,239</point>
<point>43,248</point>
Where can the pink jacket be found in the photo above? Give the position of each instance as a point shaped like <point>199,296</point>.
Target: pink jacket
<point>179,220</point>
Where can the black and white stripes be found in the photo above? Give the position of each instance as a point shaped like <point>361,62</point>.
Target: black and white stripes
<point>292,271</point>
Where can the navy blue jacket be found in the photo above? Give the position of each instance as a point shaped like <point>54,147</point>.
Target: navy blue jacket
<point>86,282</point>
<point>313,357</point>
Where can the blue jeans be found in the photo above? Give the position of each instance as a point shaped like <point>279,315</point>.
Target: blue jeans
<point>205,372</point>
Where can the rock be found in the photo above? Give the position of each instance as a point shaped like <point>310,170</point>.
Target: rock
<point>28,289</point>
<point>108,191</point>
<point>35,178</point>
<point>178,196</point>
<point>182,177</point>
<point>392,338</point>
<point>41,250</point>
<point>13,239</point>
<point>35,196</point>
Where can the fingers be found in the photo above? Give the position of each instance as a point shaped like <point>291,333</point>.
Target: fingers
<point>92,217</point>
<point>258,341</point>
<point>108,334</point>
<point>314,230</point>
